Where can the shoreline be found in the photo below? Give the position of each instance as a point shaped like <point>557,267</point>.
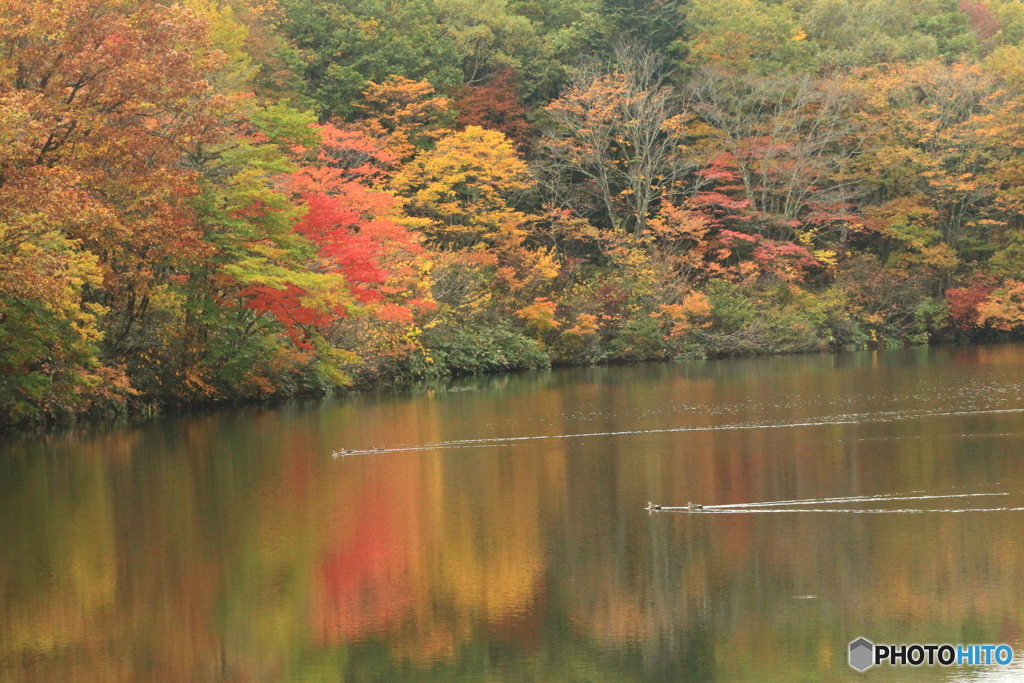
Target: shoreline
<point>446,384</point>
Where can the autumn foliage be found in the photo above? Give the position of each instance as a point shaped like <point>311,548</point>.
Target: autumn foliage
<point>216,201</point>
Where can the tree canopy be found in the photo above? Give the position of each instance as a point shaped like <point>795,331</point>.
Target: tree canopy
<point>244,200</point>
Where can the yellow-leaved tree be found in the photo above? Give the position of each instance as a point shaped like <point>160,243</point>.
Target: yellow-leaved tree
<point>462,192</point>
<point>462,196</point>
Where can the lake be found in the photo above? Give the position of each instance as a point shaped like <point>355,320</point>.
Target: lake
<point>496,530</point>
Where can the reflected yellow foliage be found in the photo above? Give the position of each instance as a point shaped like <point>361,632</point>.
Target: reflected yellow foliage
<point>234,548</point>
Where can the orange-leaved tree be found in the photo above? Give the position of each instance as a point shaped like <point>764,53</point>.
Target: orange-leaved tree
<point>98,98</point>
<point>406,115</point>
<point>616,142</point>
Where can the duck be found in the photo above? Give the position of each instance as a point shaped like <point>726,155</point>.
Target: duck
<point>343,451</point>
<point>693,506</point>
<point>652,506</point>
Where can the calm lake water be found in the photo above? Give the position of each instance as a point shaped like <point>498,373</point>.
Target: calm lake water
<point>500,534</point>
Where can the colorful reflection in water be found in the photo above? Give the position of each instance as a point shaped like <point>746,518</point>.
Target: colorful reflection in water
<point>496,530</point>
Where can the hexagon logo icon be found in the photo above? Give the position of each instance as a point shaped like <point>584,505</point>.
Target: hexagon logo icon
<point>862,654</point>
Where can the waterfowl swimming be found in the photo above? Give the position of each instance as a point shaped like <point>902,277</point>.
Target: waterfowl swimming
<point>693,506</point>
<point>652,506</point>
<point>343,451</point>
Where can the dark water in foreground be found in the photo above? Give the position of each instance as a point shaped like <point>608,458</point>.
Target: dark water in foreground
<point>233,547</point>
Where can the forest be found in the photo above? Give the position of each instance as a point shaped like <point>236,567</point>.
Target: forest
<point>226,201</point>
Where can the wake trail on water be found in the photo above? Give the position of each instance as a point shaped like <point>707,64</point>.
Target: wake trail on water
<point>856,511</point>
<point>846,499</point>
<point>826,420</point>
<point>780,506</point>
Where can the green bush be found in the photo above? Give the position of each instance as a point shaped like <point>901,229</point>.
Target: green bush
<point>453,351</point>
<point>638,339</point>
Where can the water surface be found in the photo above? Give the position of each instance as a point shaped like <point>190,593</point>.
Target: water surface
<point>499,531</point>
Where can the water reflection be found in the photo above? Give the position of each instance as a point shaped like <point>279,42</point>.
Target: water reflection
<point>500,533</point>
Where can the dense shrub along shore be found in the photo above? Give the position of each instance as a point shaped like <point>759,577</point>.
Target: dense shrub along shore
<point>214,202</point>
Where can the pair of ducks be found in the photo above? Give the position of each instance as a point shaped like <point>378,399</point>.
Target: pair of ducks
<point>689,506</point>
<point>349,451</point>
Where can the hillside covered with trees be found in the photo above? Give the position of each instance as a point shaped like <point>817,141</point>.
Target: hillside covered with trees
<point>244,200</point>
